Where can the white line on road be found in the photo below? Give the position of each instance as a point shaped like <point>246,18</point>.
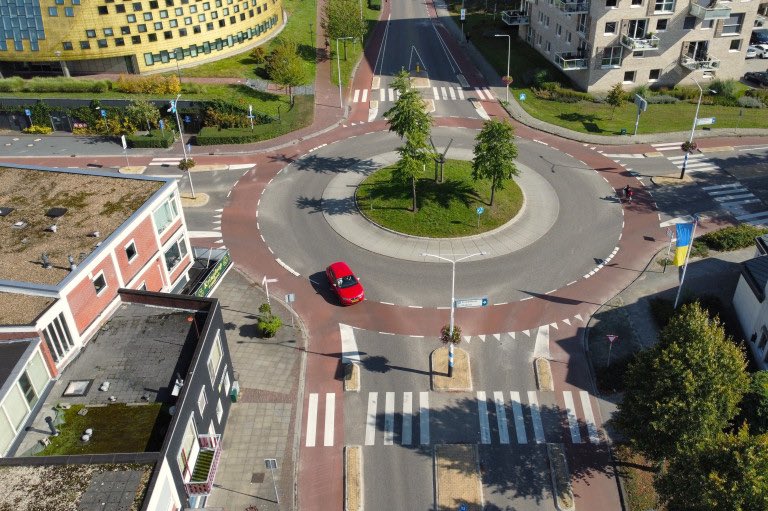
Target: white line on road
<point>517,414</point>
<point>365,96</point>
<point>312,420</point>
<point>424,418</point>
<point>295,273</point>
<point>370,421</point>
<point>482,415</point>
<point>538,427</point>
<point>589,417</point>
<point>330,410</point>
<point>573,423</point>
<point>501,417</point>
<point>349,351</point>
<point>407,433</point>
<point>204,234</point>
<point>389,418</point>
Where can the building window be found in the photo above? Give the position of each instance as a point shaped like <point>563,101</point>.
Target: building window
<point>611,57</point>
<point>103,10</point>
<point>173,23</point>
<point>707,24</point>
<point>182,32</point>
<point>27,389</point>
<point>195,30</point>
<point>119,41</point>
<point>664,6</point>
<point>67,45</point>
<point>689,22</point>
<point>163,14</point>
<point>185,450</point>
<point>568,38</point>
<point>558,30</point>
<point>53,11</point>
<point>214,359</point>
<point>610,27</point>
<point>136,6</point>
<point>611,3</point>
<point>763,339</point>
<point>147,16</point>
<point>637,3</point>
<point>169,3</point>
<point>168,34</point>
<point>101,43</point>
<point>141,28</point>
<point>152,38</point>
<point>661,24</point>
<point>119,8</point>
<point>176,252</point>
<point>135,39</point>
<point>735,45</point>
<point>654,74</point>
<point>85,45</point>
<point>733,24</point>
<point>90,33</point>
<point>99,283</point>
<point>125,30</point>
<point>202,401</point>
<point>206,6</point>
<point>153,4</point>
<point>69,12</point>
<point>548,47</point>
<point>201,18</point>
<point>158,25</point>
<point>131,18</point>
<point>130,251</point>
<point>226,382</point>
<point>108,32</point>
<point>192,9</point>
<point>219,411</point>
<point>629,76</point>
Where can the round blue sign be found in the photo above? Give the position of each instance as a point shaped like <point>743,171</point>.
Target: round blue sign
<point>522,96</point>
<point>480,210</point>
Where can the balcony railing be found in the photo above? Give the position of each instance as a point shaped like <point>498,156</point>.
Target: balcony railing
<point>573,6</point>
<point>718,12</point>
<point>705,64</point>
<point>515,18</point>
<point>640,43</point>
<point>571,61</point>
<point>204,472</point>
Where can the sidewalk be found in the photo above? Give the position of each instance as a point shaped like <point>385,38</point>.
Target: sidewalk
<point>264,422</point>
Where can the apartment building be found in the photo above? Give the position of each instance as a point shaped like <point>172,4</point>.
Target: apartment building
<point>599,43</point>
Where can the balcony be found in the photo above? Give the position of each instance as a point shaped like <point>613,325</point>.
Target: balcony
<point>571,61</point>
<point>647,42</point>
<point>573,6</point>
<point>705,64</point>
<point>514,18</point>
<point>204,471</point>
<point>717,12</point>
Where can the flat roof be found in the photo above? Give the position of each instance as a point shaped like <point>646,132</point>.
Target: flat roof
<point>11,353</point>
<point>22,309</point>
<point>87,203</point>
<point>140,351</point>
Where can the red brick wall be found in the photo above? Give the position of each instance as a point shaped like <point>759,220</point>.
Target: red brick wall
<point>143,236</point>
<point>181,268</point>
<point>152,276</point>
<point>48,358</point>
<point>12,336</point>
<point>170,231</point>
<point>82,299</point>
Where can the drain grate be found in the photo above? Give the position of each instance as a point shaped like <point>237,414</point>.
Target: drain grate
<point>257,477</point>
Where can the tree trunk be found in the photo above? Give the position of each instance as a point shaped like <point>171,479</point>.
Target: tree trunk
<point>493,191</point>
<point>345,50</point>
<point>413,189</point>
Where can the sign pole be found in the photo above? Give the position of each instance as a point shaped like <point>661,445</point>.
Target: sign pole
<point>611,339</point>
<point>637,121</point>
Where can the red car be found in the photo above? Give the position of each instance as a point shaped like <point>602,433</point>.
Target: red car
<point>344,283</point>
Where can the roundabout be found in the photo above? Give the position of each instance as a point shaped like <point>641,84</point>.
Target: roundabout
<point>569,224</point>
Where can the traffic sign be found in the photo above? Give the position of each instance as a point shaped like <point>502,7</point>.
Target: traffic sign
<point>522,96</point>
<point>612,338</point>
<point>705,121</point>
<point>124,141</point>
<point>187,119</point>
<point>27,112</point>
<point>480,210</point>
<point>290,298</point>
<point>162,124</point>
<point>463,507</point>
<point>467,303</point>
<point>103,113</point>
<point>463,14</point>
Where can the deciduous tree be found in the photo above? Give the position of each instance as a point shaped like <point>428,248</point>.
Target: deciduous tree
<point>285,67</point>
<point>495,153</point>
<point>615,98</point>
<point>341,18</point>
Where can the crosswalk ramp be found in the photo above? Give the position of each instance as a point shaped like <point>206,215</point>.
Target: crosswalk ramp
<point>496,417</point>
<point>697,163</point>
<point>435,93</point>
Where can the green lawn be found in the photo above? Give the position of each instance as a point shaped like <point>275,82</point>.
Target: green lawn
<point>117,428</point>
<point>585,116</point>
<point>445,210</point>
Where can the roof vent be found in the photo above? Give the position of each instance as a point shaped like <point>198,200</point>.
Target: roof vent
<point>5,211</point>
<point>55,212</point>
<point>52,228</point>
<point>95,234</point>
<point>46,262</point>
<point>72,265</point>
<point>20,224</point>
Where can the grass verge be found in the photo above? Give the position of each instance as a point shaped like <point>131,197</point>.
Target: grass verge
<point>447,209</point>
<point>117,428</point>
<point>637,475</point>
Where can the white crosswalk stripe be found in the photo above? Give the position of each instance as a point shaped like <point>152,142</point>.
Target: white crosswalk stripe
<point>437,93</point>
<point>733,197</point>
<point>589,417</point>
<point>501,417</point>
<point>370,421</point>
<point>667,146</point>
<point>424,418</point>
<point>570,413</point>
<point>696,163</point>
<point>311,420</point>
<point>407,433</point>
<point>330,410</point>
<point>170,162</point>
<point>517,415</point>
<point>538,427</point>
<point>482,414</point>
<point>389,418</point>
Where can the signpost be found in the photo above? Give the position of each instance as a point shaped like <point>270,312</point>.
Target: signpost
<point>705,121</point>
<point>642,106</point>
<point>103,113</point>
<point>480,211</point>
<point>250,115</point>
<point>611,340</point>
<point>522,96</point>
<point>289,299</point>
<point>271,464</point>
<point>265,282</point>
<point>463,18</point>
<point>468,303</point>
<point>125,149</point>
<point>28,113</point>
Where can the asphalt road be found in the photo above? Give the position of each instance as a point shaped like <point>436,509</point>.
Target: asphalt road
<point>586,231</point>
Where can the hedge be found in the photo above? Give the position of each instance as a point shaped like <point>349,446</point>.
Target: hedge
<point>732,238</point>
<point>154,139</point>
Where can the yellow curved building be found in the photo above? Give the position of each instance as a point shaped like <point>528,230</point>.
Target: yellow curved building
<point>128,36</point>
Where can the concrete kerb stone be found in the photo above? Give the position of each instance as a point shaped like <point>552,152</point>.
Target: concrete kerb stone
<point>460,381</point>
<point>543,374</point>
<point>561,480</point>
<point>353,478</point>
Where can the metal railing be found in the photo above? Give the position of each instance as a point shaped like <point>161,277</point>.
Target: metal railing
<point>571,61</point>
<point>211,444</point>
<point>573,6</point>
<point>693,64</point>
<point>718,12</point>
<point>640,43</point>
<point>515,18</point>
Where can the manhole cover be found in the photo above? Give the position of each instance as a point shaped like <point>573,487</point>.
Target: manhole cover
<point>257,477</point>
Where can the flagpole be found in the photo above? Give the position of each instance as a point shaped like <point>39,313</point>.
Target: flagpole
<point>687,256</point>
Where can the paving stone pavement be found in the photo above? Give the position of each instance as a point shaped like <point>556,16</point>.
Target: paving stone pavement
<point>262,424</point>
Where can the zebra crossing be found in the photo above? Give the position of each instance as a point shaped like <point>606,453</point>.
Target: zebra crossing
<point>667,146</point>
<point>514,412</point>
<point>697,163</point>
<point>434,93</point>
<point>733,197</point>
<point>165,162</point>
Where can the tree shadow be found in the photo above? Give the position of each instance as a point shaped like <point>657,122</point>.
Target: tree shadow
<point>345,206</point>
<point>427,191</point>
<point>335,164</point>
<point>308,53</point>
<point>587,120</point>
<point>380,364</point>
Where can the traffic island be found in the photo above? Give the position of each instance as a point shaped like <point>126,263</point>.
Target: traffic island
<point>461,380</point>
<point>353,478</point>
<point>561,478</point>
<point>543,374</point>
<point>351,377</point>
<point>457,477</point>
<point>671,179</point>
<point>199,200</point>
<point>132,169</point>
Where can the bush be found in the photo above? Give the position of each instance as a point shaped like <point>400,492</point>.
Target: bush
<point>57,84</point>
<point>268,324</point>
<point>640,90</point>
<point>661,99</point>
<point>153,139</point>
<point>446,336</point>
<point>754,407</point>
<point>13,84</point>
<point>662,311</point>
<point>685,93</point>
<point>749,102</point>
<point>611,379</point>
<point>724,88</point>
<point>732,238</point>
<point>374,4</point>
<point>186,164</point>
<point>38,130</point>
<point>154,84</point>
<point>760,94</point>
<point>540,76</point>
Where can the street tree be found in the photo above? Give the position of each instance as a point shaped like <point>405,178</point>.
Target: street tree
<point>754,408</point>
<point>339,21</point>
<point>141,112</point>
<point>685,389</point>
<point>495,153</point>
<point>615,97</point>
<point>285,66</point>
<point>726,473</point>
<point>409,113</point>
<point>414,155</point>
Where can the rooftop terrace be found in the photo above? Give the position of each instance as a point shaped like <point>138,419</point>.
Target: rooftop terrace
<point>78,204</point>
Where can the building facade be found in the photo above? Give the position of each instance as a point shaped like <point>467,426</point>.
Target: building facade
<point>128,36</point>
<point>599,43</point>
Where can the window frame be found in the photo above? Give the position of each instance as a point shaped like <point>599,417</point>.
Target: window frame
<point>131,243</point>
<point>103,278</point>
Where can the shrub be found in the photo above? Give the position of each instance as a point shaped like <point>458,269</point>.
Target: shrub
<point>268,324</point>
<point>187,164</point>
<point>685,93</point>
<point>550,86</point>
<point>641,90</point>
<point>214,136</point>
<point>540,76</point>
<point>13,84</point>
<point>153,139</point>
<point>724,88</point>
<point>38,130</point>
<point>154,84</point>
<point>446,336</point>
<point>732,238</point>
<point>661,99</point>
<point>749,102</point>
<point>760,94</point>
<point>374,4</point>
<point>259,55</point>
<point>754,407</point>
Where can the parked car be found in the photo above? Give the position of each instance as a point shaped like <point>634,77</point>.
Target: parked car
<point>761,49</point>
<point>758,77</point>
<point>344,283</point>
<point>759,36</point>
<point>751,52</point>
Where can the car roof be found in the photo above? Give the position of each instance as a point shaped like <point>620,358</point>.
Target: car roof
<point>340,269</point>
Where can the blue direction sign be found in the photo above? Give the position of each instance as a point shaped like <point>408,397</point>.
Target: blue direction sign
<point>162,124</point>
<point>103,113</point>
<point>522,96</point>
<point>187,119</point>
<point>480,210</point>
<point>27,112</point>
<point>467,303</point>
<point>463,507</point>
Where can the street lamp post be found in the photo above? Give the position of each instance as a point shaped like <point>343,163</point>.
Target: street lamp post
<point>175,110</point>
<point>509,56</point>
<point>693,128</point>
<point>453,300</point>
<point>338,66</point>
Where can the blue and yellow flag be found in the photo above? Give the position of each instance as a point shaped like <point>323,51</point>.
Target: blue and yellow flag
<point>684,233</point>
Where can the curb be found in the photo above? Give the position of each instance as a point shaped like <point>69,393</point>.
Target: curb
<point>560,475</point>
<point>543,374</point>
<point>353,455</point>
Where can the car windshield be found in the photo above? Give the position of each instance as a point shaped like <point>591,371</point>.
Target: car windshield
<point>347,281</point>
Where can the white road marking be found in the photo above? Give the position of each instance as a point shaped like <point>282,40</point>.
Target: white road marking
<point>460,91</point>
<point>330,410</point>
<point>356,97</point>
<point>391,94</point>
<point>382,94</point>
<point>311,420</point>
<point>541,348</point>
<point>436,93</point>
<point>370,421</point>
<point>452,94</point>
<point>407,432</point>
<point>573,423</point>
<point>501,417</point>
<point>538,427</point>
<point>517,414</point>
<point>349,351</point>
<point>589,417</point>
<point>295,273</point>
<point>479,93</point>
<point>389,418</point>
<point>204,234</point>
<point>482,415</point>
<point>424,418</point>
<point>365,96</point>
